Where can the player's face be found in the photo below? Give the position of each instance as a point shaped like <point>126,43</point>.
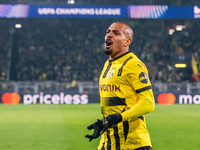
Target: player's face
<point>115,39</point>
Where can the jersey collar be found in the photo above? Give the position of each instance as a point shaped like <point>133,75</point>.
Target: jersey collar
<point>118,57</point>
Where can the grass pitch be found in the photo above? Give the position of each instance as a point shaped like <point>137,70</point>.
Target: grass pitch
<point>63,127</point>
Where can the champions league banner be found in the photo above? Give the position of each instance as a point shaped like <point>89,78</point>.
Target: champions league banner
<point>36,11</point>
<point>69,11</point>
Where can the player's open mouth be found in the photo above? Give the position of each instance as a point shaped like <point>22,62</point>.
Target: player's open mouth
<point>108,44</point>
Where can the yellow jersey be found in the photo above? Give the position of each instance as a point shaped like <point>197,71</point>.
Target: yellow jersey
<point>125,88</point>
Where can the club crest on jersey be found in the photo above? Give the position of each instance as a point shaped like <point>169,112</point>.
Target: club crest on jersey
<point>143,77</point>
<point>110,74</point>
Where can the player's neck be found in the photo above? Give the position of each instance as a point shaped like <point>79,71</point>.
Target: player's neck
<point>111,57</point>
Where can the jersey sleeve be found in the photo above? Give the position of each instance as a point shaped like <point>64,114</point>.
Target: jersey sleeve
<point>145,105</point>
<point>137,77</point>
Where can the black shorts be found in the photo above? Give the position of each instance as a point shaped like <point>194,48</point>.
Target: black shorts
<point>143,148</point>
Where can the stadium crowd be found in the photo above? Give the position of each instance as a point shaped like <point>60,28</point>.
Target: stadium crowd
<point>68,50</point>
<point>4,49</point>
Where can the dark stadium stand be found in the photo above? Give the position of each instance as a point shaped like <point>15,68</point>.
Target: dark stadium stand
<point>69,49</point>
<point>72,49</point>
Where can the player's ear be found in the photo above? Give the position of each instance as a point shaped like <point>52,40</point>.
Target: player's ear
<point>128,42</point>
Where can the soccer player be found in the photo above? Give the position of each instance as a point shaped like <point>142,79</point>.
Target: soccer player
<point>125,93</point>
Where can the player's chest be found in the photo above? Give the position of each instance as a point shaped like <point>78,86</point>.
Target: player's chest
<point>113,74</point>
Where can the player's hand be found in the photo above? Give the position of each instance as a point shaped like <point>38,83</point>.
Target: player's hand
<point>97,126</point>
<point>111,120</point>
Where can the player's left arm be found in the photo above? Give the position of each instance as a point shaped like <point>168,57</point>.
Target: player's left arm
<point>146,104</point>
<point>140,82</point>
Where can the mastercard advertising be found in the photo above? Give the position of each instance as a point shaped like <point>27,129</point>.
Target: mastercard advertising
<point>65,98</point>
<point>10,98</point>
<point>43,98</point>
<point>170,99</point>
<point>166,98</point>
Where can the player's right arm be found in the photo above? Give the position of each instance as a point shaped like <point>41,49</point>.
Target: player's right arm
<point>97,126</point>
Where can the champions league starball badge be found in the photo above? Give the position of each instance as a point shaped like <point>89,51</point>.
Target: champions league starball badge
<point>143,77</point>
<point>111,73</point>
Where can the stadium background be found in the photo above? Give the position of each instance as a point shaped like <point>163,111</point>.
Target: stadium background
<point>53,60</point>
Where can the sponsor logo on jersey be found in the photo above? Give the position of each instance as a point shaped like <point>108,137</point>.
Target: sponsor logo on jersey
<point>143,77</point>
<point>108,87</point>
<point>139,65</point>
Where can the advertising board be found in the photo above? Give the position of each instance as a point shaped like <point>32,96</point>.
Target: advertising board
<point>98,11</point>
<point>65,98</point>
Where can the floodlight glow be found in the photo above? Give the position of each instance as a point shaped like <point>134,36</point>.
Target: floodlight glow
<point>71,1</point>
<point>180,65</point>
<point>18,25</point>
<point>171,31</point>
<point>180,27</point>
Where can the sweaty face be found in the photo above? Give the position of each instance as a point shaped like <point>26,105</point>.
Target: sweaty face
<point>115,39</point>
